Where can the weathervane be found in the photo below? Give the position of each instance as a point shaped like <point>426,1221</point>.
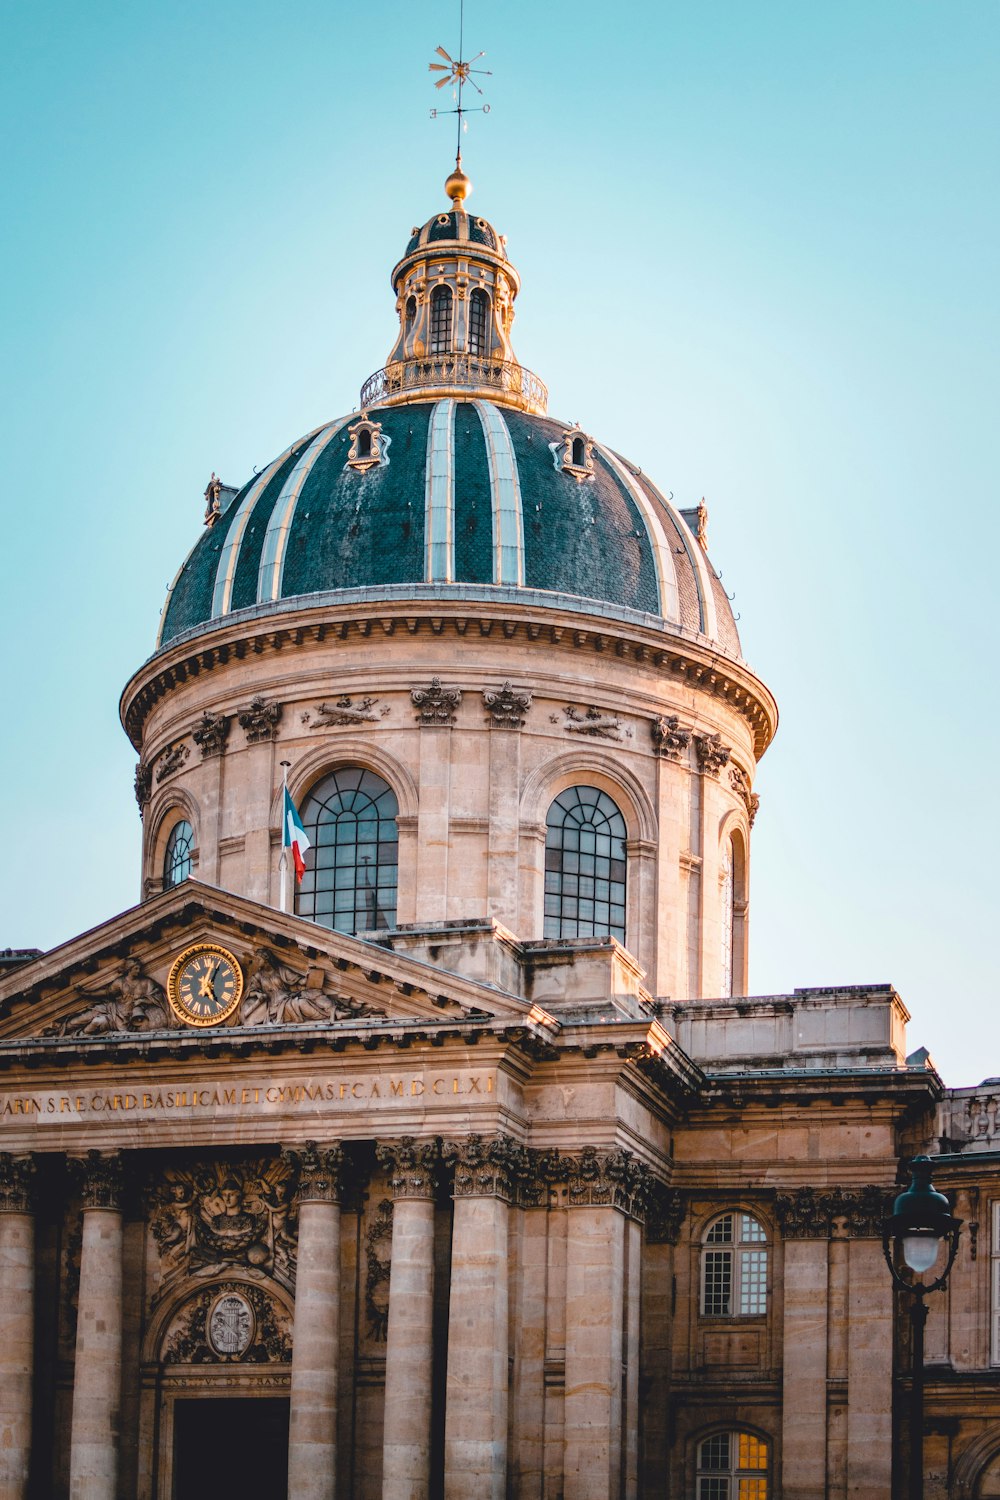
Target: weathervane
<point>458,73</point>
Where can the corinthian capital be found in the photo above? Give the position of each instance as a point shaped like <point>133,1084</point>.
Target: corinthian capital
<point>412,1165</point>
<point>16,1178</point>
<point>100,1177</point>
<point>320,1171</point>
<point>602,1179</point>
<point>486,1166</point>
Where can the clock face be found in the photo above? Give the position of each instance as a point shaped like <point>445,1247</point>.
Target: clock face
<point>205,985</point>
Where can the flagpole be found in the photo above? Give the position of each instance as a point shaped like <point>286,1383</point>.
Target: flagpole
<point>283,861</point>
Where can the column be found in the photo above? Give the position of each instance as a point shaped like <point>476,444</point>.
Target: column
<point>406,1438</point>
<point>312,1423</point>
<point>869,1349</point>
<point>17,1322</point>
<point>475,1434</point>
<point>603,1189</point>
<point>804,1352</point>
<point>97,1373</point>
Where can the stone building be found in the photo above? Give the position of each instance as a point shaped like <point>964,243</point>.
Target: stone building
<point>474,1175</point>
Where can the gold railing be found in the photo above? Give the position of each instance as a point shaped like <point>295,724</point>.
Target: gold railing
<point>459,373</point>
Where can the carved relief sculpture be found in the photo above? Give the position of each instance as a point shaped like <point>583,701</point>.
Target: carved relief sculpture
<point>228,1324</point>
<point>171,760</point>
<point>133,1002</point>
<point>218,1214</point>
<point>806,1214</point>
<point>260,720</point>
<point>319,1171</point>
<point>506,706</point>
<point>276,995</point>
<point>412,1164</point>
<point>664,1214</point>
<point>740,783</point>
<point>436,704</point>
<point>669,739</point>
<point>346,711</point>
<point>378,1255</point>
<point>213,499</point>
<point>593,722</point>
<point>711,753</point>
<point>211,733</point>
<point>143,785</point>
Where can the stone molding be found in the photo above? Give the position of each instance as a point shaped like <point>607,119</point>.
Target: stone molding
<point>413,1166</point>
<point>260,720</point>
<point>17,1174</point>
<point>805,1214</point>
<point>506,706</point>
<point>669,739</point>
<point>436,705</point>
<point>487,1166</point>
<point>320,1171</point>
<point>710,753</point>
<point>211,733</point>
<point>101,1178</point>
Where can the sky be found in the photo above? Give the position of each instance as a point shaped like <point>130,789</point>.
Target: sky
<point>758,246</point>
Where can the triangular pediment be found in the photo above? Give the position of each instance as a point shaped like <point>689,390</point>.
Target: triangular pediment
<point>116,979</point>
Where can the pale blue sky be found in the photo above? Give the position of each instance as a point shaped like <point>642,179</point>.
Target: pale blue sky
<point>759,252</point>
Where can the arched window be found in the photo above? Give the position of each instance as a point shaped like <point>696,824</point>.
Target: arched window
<point>584,866</point>
<point>734,1267</point>
<point>365,443</point>
<point>732,1466</point>
<point>350,878</point>
<point>478,308</point>
<point>728,911</point>
<point>411,312</point>
<point>177,856</point>
<point>441,320</point>
<point>579,452</point>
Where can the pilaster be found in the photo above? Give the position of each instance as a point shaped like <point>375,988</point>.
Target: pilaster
<point>17,1321</point>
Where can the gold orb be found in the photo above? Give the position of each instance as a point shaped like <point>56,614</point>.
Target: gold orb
<point>458,187</point>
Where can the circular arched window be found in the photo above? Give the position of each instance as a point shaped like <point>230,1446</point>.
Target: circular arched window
<point>177,855</point>
<point>351,868</point>
<point>732,1466</point>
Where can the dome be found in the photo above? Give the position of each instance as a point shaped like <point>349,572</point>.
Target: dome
<point>457,226</point>
<point>452,498</point>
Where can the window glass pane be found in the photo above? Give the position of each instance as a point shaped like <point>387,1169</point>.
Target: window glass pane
<point>753,1282</point>
<point>751,1230</point>
<point>351,870</point>
<point>752,1452</point>
<point>718,1278</point>
<point>583,828</point>
<point>177,858</point>
<point>713,1489</point>
<point>715,1452</point>
<point>753,1489</point>
<point>721,1232</point>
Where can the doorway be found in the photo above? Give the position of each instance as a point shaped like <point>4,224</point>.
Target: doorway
<point>231,1445</point>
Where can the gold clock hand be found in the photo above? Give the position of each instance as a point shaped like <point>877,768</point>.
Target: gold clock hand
<point>205,987</point>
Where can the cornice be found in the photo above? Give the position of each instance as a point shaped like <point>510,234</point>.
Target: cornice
<point>554,620</point>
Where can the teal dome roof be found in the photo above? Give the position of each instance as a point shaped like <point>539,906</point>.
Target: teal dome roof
<point>459,498</point>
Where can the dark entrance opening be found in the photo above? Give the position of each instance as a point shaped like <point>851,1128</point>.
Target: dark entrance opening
<point>231,1446</point>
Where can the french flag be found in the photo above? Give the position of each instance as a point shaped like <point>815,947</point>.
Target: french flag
<point>294,837</point>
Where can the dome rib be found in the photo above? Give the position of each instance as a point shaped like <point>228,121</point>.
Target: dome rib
<point>272,557</point>
<point>663,559</point>
<point>439,499</point>
<point>505,495</point>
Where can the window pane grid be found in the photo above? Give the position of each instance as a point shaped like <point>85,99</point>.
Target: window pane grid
<point>718,1282</point>
<point>753,1282</point>
<point>732,1466</point>
<point>477,322</point>
<point>584,866</point>
<point>177,858</point>
<point>351,868</point>
<point>441,320</point>
<point>734,1279</point>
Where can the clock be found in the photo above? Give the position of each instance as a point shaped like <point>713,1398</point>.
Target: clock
<point>205,985</point>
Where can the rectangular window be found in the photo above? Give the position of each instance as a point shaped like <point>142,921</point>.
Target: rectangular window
<point>718,1282</point>
<point>753,1282</point>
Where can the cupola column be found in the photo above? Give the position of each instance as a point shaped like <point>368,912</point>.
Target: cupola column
<point>312,1424</point>
<point>94,1433</point>
<point>409,1353</point>
<point>17,1322</point>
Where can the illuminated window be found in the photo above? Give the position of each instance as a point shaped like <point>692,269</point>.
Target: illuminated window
<point>177,856</point>
<point>734,1267</point>
<point>352,863</point>
<point>584,866</point>
<point>478,308</point>
<point>732,1466</point>
<point>441,320</point>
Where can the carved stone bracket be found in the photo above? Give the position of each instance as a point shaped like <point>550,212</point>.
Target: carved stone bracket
<point>143,785</point>
<point>486,1167</point>
<point>710,753</point>
<point>664,1214</point>
<point>740,783</point>
<point>171,760</point>
<point>320,1171</point>
<point>17,1175</point>
<point>806,1214</point>
<point>260,721</point>
<point>506,706</point>
<point>413,1166</point>
<point>436,704</point>
<point>101,1178</point>
<point>211,733</point>
<point>669,739</point>
<point>593,722</point>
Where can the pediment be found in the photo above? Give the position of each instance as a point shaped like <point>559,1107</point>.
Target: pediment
<point>113,981</point>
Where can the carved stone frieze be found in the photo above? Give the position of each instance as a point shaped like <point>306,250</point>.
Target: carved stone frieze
<point>592,722</point>
<point>133,1002</point>
<point>710,753</point>
<point>211,733</point>
<point>740,783</point>
<point>100,1178</point>
<point>346,711</point>
<point>664,1214</point>
<point>378,1256</point>
<point>487,1166</point>
<point>16,1179</point>
<point>413,1166</point>
<point>260,720</point>
<point>216,1214</point>
<point>436,704</point>
<point>143,785</point>
<point>171,760</point>
<point>319,1170</point>
<point>506,706</point>
<point>276,995</point>
<point>669,739</point>
<point>806,1214</point>
<point>228,1323</point>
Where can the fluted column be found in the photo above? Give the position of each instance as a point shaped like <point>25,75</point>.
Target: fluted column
<point>312,1422</point>
<point>475,1433</point>
<point>17,1322</point>
<point>97,1375</point>
<point>406,1439</point>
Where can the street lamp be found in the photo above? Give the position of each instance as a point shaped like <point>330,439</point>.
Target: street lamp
<point>912,1237</point>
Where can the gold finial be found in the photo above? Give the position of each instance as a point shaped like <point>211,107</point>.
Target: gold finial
<point>458,186</point>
